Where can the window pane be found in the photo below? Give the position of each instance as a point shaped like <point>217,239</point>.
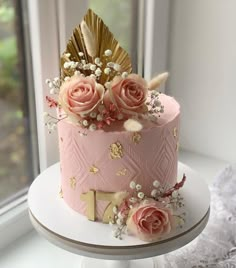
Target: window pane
<point>16,164</point>
<point>121,18</point>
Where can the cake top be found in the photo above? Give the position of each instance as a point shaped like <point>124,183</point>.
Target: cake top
<point>172,109</point>
<point>96,88</point>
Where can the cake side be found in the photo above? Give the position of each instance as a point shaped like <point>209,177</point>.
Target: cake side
<point>107,161</point>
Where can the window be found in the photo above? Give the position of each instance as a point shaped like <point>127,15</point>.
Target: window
<point>122,21</point>
<point>18,156</point>
<point>45,45</point>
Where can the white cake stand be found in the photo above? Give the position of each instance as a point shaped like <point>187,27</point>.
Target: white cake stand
<point>71,231</point>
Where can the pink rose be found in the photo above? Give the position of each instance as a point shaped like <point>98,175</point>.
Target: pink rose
<point>128,95</point>
<point>150,221</point>
<point>80,95</point>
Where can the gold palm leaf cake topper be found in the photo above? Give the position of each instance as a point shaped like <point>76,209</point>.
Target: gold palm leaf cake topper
<point>93,42</point>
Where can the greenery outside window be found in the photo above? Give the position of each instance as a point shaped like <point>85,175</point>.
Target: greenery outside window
<point>18,154</point>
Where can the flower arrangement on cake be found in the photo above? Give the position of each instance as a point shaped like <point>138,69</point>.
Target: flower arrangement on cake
<point>95,91</point>
<point>149,217</point>
<point>97,86</point>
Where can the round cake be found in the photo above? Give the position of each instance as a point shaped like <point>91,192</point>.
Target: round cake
<point>108,160</point>
<point>118,137</point>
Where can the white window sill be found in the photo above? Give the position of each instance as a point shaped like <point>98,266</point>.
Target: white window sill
<point>207,167</point>
<point>31,250</point>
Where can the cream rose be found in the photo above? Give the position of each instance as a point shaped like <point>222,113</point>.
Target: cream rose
<point>128,95</point>
<point>80,95</point>
<point>150,221</point>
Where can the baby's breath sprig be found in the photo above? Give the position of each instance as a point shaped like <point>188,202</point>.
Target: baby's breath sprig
<point>120,220</point>
<point>54,85</point>
<point>176,200</point>
<point>136,195</point>
<point>154,105</point>
<point>180,219</point>
<point>101,69</point>
<point>119,231</point>
<point>52,121</point>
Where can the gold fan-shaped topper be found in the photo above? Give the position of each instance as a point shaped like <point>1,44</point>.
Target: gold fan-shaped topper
<point>86,47</point>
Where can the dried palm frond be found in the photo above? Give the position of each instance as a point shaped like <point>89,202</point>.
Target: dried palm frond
<point>104,40</point>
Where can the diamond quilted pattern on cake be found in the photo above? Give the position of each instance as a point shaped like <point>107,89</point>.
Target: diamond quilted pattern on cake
<point>153,158</point>
<point>164,158</point>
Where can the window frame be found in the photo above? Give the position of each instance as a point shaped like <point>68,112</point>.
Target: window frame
<point>45,52</point>
<point>156,47</point>
<point>14,220</point>
<point>46,48</point>
<point>29,108</point>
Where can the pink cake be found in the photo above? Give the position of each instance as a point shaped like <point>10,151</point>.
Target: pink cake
<point>118,137</point>
<point>145,156</point>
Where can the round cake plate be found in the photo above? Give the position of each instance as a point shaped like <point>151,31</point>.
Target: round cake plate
<point>71,231</point>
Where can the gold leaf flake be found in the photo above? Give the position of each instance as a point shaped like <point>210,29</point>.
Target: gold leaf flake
<point>73,182</point>
<point>175,132</point>
<point>61,194</point>
<point>116,150</point>
<point>104,40</point>
<point>61,139</point>
<point>93,169</point>
<point>121,172</point>
<point>136,137</point>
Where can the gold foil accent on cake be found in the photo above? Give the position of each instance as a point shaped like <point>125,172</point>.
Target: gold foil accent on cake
<point>175,132</point>
<point>116,150</point>
<point>72,182</point>
<point>61,139</point>
<point>61,194</point>
<point>93,170</point>
<point>90,200</point>
<point>136,137</point>
<point>121,172</point>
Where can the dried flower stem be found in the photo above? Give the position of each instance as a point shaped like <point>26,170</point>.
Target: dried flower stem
<point>89,39</point>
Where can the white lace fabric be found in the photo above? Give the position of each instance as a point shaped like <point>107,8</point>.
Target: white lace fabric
<point>216,245</point>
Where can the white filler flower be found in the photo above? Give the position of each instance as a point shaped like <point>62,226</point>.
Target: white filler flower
<point>133,125</point>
